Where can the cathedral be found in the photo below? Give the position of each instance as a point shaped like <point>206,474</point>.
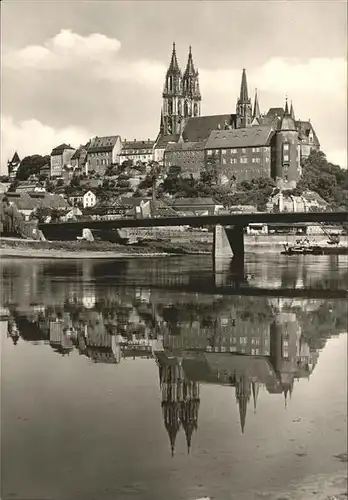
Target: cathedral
<point>242,145</point>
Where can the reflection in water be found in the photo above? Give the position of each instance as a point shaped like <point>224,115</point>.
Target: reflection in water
<point>253,341</point>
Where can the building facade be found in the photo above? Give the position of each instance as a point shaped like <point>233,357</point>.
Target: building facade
<point>182,123</point>
<point>60,158</point>
<point>13,166</point>
<point>137,151</point>
<point>239,155</point>
<point>103,152</point>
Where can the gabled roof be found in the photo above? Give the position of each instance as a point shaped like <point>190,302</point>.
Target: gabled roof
<point>138,145</point>
<point>103,144</point>
<point>193,202</point>
<point>199,128</point>
<point>240,138</point>
<point>78,152</point>
<point>15,158</point>
<point>163,140</point>
<point>185,146</point>
<point>304,128</point>
<point>59,149</point>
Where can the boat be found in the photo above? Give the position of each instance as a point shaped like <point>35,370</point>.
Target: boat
<point>305,247</point>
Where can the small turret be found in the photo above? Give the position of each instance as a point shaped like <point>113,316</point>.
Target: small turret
<point>256,112</point>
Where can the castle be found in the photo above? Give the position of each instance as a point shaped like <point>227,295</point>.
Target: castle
<point>239,146</point>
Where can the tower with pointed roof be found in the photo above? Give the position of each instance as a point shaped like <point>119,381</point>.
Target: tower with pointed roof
<point>244,108</point>
<point>172,98</point>
<point>191,92</point>
<point>287,164</point>
<point>256,110</point>
<point>243,393</point>
<point>13,166</point>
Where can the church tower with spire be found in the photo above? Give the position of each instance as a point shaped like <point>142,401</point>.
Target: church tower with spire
<point>244,108</point>
<point>172,98</point>
<point>191,92</point>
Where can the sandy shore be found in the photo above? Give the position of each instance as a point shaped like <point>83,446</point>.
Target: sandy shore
<point>27,253</point>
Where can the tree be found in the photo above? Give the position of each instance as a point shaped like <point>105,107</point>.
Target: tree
<point>31,165</point>
<point>328,180</point>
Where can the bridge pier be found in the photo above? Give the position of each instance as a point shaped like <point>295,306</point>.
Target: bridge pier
<point>229,243</point>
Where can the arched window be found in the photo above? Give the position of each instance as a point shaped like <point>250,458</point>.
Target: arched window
<point>179,108</point>
<point>170,108</point>
<point>186,109</point>
<point>195,109</point>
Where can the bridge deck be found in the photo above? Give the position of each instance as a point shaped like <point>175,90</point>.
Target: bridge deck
<point>203,220</point>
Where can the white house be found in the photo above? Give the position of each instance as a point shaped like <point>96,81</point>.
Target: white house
<point>87,199</point>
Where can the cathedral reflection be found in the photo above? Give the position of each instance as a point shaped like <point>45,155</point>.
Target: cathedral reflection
<point>250,344</point>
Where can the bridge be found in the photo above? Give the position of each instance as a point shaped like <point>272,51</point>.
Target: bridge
<point>228,229</point>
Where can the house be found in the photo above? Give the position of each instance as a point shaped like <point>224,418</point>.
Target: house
<point>13,166</point>
<point>137,151</point>
<point>30,187</point>
<point>60,157</point>
<point>189,156</point>
<point>79,158</point>
<point>103,152</point>
<point>72,214</point>
<point>195,206</point>
<point>45,171</point>
<point>87,199</point>
<point>241,154</point>
<point>27,203</point>
<point>145,207</point>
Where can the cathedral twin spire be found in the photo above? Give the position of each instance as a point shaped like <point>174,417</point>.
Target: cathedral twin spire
<point>181,95</point>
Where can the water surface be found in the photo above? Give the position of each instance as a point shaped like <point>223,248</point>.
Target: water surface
<point>173,379</point>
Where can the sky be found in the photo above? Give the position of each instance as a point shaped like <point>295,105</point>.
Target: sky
<point>71,70</point>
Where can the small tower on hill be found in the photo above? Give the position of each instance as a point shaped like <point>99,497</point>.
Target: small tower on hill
<point>288,151</point>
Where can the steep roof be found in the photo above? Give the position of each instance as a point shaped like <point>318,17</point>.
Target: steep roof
<point>138,145</point>
<point>103,144</point>
<point>240,138</point>
<point>15,158</point>
<point>163,140</point>
<point>185,146</point>
<point>304,128</point>
<point>173,66</point>
<point>199,128</point>
<point>59,149</point>
<point>244,97</point>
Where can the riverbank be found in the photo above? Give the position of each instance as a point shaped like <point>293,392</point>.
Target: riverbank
<point>11,247</point>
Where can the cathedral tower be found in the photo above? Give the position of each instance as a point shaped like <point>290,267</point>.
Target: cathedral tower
<point>244,109</point>
<point>191,92</point>
<point>172,98</point>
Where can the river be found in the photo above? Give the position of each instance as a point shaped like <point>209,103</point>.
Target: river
<point>173,379</point>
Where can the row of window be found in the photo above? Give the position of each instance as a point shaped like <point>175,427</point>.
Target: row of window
<point>103,161</point>
<point>244,160</point>
<point>234,151</point>
<point>96,155</point>
<point>136,151</point>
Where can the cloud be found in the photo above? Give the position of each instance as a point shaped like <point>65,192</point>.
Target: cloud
<point>63,51</point>
<point>285,75</point>
<point>33,137</point>
<point>69,50</point>
<point>86,75</point>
